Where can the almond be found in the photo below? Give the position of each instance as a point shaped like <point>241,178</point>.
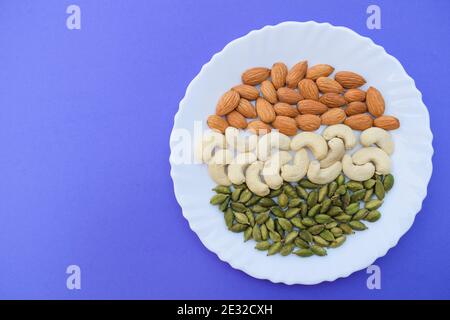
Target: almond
<point>268,91</point>
<point>328,85</point>
<point>359,121</point>
<point>265,110</point>
<point>333,116</point>
<point>308,122</point>
<point>246,91</point>
<point>255,76</point>
<point>278,74</point>
<point>375,102</point>
<point>353,95</point>
<point>258,127</point>
<point>356,107</point>
<point>311,107</point>
<point>349,80</point>
<point>237,120</point>
<point>387,122</point>
<point>297,73</point>
<point>284,109</point>
<point>289,95</point>
<point>319,70</point>
<point>332,100</point>
<point>218,123</point>
<point>227,103</point>
<point>246,109</point>
<point>285,125</point>
<point>308,89</point>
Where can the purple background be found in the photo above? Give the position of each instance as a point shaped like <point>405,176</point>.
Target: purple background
<point>85,118</point>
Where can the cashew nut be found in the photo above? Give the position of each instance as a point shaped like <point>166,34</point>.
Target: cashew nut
<point>295,172</point>
<point>375,155</point>
<point>323,176</point>
<point>238,142</point>
<point>357,173</point>
<point>272,140</point>
<point>236,168</point>
<point>335,153</point>
<point>222,156</point>
<point>218,174</point>
<point>315,142</point>
<point>205,147</point>
<point>271,170</point>
<point>253,179</point>
<point>341,131</point>
<point>377,136</point>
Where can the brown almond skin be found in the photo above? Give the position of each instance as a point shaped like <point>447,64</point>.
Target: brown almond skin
<point>284,109</point>
<point>332,100</point>
<point>353,95</point>
<point>218,123</point>
<point>246,91</point>
<point>308,89</point>
<point>258,127</point>
<point>255,76</point>
<point>268,91</point>
<point>349,79</point>
<point>264,110</point>
<point>246,109</point>
<point>356,107</point>
<point>328,85</point>
<point>311,107</point>
<point>375,102</point>
<point>227,103</point>
<point>278,74</point>
<point>288,95</point>
<point>387,122</point>
<point>297,73</point>
<point>333,116</point>
<point>359,121</point>
<point>308,122</point>
<point>319,70</point>
<point>285,125</point>
<point>237,120</point>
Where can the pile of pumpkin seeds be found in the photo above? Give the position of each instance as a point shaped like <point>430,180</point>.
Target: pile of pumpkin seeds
<point>303,218</point>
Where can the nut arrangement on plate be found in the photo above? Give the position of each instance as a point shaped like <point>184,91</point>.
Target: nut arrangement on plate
<point>259,154</point>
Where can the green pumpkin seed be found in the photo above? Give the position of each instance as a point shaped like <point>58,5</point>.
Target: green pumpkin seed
<point>327,235</point>
<point>337,232</point>
<point>361,214</point>
<point>301,243</point>
<point>306,236</point>
<point>292,212</point>
<point>240,207</point>
<point>308,222</point>
<point>224,205</point>
<point>245,196</point>
<point>301,192</point>
<point>340,180</point>
<point>237,227</point>
<point>287,249</point>
<point>267,202</point>
<point>312,199</point>
<point>229,217</point>
<point>304,253</point>
<point>357,225</point>
<point>264,232</point>
<point>334,211</point>
<point>338,242</point>
<point>346,228</point>
<point>320,241</point>
<point>332,188</point>
<point>283,200</point>
<point>379,190</point>
<point>323,218</point>
<point>368,195</point>
<point>331,225</point>
<point>270,224</point>
<point>314,210</point>
<point>343,217</point>
<point>274,248</point>
<point>291,237</point>
<point>308,184</point>
<point>236,194</point>
<point>289,190</point>
<point>297,222</point>
<point>315,230</point>
<point>256,233</point>
<point>222,189</point>
<point>277,212</point>
<point>354,186</point>
<point>373,204</point>
<point>285,224</point>
<point>275,193</point>
<point>248,234</point>
<point>352,208</point>
<point>388,182</point>
<point>368,184</point>
<point>263,245</point>
<point>274,236</point>
<point>326,204</point>
<point>373,216</point>
<point>262,217</point>
<point>253,200</point>
<point>258,209</point>
<point>304,209</point>
<point>323,191</point>
<point>318,250</point>
<point>218,199</point>
<point>241,218</point>
<point>358,195</point>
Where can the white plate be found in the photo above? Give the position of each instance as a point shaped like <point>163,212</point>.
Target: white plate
<point>342,48</point>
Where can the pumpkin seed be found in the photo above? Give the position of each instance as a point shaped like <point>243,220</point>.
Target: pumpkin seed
<point>318,250</point>
<point>357,225</point>
<point>274,248</point>
<point>388,182</point>
<point>283,200</point>
<point>263,245</point>
<point>379,190</point>
<point>218,199</point>
<point>304,253</point>
<point>373,216</point>
<point>373,204</point>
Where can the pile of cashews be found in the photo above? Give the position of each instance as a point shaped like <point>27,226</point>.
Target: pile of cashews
<point>265,162</point>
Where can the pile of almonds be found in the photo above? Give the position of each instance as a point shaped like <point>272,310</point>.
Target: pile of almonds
<point>300,98</point>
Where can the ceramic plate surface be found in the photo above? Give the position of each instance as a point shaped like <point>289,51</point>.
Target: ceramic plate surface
<point>342,48</point>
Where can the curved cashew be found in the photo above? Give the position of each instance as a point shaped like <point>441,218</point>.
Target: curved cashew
<point>323,176</point>
<point>236,167</point>
<point>238,142</point>
<point>341,131</point>
<point>253,179</point>
<point>335,153</point>
<point>272,140</point>
<point>209,142</point>
<point>375,155</point>
<point>271,170</point>
<point>377,136</point>
<point>222,156</point>
<point>218,174</point>
<point>295,172</point>
<point>315,142</point>
<point>357,173</point>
